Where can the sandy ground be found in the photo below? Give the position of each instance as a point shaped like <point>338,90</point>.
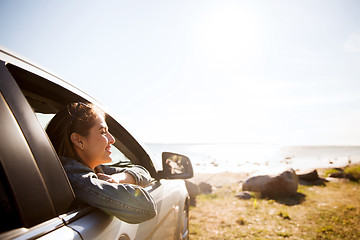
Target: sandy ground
<point>220,179</point>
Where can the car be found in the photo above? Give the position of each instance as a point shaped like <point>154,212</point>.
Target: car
<point>37,200</point>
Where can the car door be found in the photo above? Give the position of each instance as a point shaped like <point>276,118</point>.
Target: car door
<point>170,199</point>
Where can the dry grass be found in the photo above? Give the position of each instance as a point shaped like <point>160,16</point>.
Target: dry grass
<point>318,212</point>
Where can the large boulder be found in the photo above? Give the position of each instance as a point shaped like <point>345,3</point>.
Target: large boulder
<point>282,184</point>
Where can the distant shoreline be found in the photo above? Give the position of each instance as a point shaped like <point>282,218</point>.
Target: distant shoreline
<point>220,179</point>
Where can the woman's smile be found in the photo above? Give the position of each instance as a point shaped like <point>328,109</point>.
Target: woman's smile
<point>108,149</point>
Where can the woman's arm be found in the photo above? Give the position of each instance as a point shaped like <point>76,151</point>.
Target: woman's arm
<point>118,178</point>
<point>139,173</point>
<point>130,203</point>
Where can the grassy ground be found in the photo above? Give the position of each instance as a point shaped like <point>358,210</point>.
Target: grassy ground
<point>317,212</point>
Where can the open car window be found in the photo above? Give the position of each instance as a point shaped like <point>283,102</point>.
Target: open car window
<point>118,158</point>
<point>46,94</point>
<point>44,119</point>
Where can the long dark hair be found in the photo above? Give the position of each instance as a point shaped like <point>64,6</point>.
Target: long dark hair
<point>76,117</point>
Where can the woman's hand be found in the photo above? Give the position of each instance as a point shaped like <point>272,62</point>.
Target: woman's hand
<point>117,178</point>
<point>105,177</point>
<point>124,178</point>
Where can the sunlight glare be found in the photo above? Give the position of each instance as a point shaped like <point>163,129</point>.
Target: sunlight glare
<point>229,37</point>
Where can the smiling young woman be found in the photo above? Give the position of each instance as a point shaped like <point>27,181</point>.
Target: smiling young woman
<point>80,136</point>
<point>94,148</point>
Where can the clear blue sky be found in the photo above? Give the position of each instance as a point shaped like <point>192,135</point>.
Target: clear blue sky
<point>266,71</point>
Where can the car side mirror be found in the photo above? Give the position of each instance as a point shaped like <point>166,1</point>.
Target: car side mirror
<point>176,166</point>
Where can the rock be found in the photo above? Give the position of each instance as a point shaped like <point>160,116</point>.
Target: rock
<point>193,191</point>
<point>244,195</point>
<point>283,184</point>
<point>342,174</point>
<point>339,174</point>
<point>309,176</point>
<point>205,187</point>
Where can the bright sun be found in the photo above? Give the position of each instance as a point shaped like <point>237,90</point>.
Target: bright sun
<point>229,36</point>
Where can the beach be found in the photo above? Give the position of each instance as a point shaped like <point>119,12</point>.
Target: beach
<point>219,164</point>
<point>318,211</point>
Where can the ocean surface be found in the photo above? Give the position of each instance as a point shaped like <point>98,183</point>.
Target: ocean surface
<point>250,158</point>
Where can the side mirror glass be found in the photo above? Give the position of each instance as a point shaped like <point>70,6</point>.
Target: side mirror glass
<point>176,166</point>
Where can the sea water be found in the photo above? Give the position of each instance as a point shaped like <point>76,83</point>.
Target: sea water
<point>213,158</point>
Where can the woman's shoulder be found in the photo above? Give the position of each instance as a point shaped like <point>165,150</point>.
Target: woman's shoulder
<point>72,165</point>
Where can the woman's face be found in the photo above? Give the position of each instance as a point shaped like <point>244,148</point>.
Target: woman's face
<point>97,145</point>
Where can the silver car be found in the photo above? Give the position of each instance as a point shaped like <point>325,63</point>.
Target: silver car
<point>37,201</point>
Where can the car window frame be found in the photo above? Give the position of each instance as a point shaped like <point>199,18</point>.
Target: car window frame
<point>35,207</point>
<point>20,156</point>
<point>50,167</point>
<point>60,93</point>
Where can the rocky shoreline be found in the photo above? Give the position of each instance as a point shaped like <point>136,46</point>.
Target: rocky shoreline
<point>278,183</point>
